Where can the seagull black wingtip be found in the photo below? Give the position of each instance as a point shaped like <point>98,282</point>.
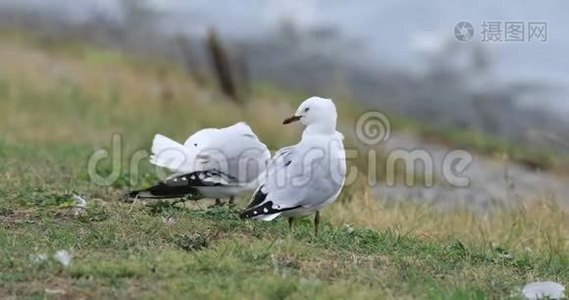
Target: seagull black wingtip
<point>133,194</point>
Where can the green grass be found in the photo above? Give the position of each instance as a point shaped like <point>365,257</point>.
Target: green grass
<point>367,249</point>
<point>121,250</point>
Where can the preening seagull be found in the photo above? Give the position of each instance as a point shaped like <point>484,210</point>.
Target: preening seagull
<point>302,179</point>
<point>213,163</point>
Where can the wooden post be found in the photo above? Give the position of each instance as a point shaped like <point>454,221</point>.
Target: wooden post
<point>221,66</point>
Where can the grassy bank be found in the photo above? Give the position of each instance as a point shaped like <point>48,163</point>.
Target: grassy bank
<point>58,108</point>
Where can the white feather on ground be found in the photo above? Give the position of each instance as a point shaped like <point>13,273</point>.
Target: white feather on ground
<point>543,290</point>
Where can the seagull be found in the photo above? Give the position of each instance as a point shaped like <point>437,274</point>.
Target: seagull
<point>304,178</point>
<point>213,163</point>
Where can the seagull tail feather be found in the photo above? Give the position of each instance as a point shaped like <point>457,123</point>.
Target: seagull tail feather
<point>169,154</point>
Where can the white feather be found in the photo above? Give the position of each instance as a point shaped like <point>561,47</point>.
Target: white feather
<point>170,154</point>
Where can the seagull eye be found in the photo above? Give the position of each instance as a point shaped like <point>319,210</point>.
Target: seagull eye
<point>306,109</point>
<point>195,144</point>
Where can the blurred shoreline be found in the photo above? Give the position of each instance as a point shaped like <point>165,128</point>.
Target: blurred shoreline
<point>455,87</point>
<point>438,80</point>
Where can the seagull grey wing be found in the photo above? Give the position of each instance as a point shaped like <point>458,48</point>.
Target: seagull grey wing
<point>299,177</point>
<point>241,155</point>
<point>281,159</point>
<point>260,204</point>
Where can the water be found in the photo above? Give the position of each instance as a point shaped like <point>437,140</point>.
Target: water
<point>388,30</point>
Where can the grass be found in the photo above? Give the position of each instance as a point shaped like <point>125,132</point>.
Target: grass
<point>57,109</point>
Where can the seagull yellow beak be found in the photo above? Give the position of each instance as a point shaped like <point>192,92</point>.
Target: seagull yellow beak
<point>291,119</point>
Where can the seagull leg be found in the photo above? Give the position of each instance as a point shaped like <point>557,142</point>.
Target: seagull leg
<point>316,222</point>
<point>290,221</point>
<point>217,202</point>
<point>231,201</point>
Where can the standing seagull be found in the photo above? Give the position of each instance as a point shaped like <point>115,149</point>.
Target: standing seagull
<point>303,178</point>
<point>213,163</point>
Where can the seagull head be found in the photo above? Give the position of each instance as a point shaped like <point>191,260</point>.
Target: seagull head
<point>196,145</point>
<point>200,138</point>
<point>315,111</point>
